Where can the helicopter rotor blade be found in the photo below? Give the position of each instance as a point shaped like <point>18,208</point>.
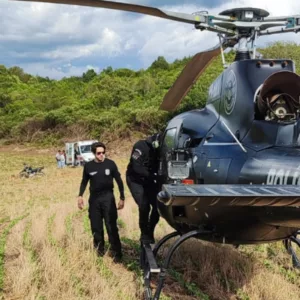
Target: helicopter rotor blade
<point>148,10</point>
<point>192,71</point>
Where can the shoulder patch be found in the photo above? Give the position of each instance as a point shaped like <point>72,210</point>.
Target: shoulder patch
<point>136,154</point>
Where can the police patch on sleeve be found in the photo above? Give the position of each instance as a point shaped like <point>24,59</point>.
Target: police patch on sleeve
<point>136,154</point>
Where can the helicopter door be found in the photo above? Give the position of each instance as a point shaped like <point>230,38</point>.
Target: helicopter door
<point>168,145</point>
<point>174,164</point>
<point>169,142</point>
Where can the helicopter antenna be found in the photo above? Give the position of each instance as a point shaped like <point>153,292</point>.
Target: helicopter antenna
<point>254,45</point>
<point>221,39</point>
<point>236,139</point>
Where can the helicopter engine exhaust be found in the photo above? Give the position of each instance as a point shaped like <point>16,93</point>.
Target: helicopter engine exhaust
<point>278,98</point>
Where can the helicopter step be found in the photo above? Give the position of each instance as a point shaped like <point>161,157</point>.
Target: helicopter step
<point>230,195</point>
<point>153,267</point>
<point>150,265</point>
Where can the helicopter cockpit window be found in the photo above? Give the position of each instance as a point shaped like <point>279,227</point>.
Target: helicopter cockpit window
<point>169,140</point>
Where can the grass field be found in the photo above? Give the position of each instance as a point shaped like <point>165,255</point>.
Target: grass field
<point>46,247</point>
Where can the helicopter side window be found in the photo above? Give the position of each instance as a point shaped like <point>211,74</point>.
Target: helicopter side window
<point>169,140</point>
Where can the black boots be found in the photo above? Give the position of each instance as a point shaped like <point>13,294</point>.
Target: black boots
<point>147,236</point>
<point>117,258</point>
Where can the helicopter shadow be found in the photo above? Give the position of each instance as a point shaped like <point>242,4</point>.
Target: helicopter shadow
<point>213,271</point>
<point>198,270</point>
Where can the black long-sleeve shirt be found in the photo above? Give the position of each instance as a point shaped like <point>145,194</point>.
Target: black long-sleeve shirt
<point>101,175</point>
<point>142,162</point>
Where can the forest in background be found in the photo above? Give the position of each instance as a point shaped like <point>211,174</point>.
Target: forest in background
<point>114,104</point>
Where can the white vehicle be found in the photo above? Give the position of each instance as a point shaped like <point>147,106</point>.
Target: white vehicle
<point>78,153</point>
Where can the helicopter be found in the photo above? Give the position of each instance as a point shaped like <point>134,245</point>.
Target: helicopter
<point>229,172</point>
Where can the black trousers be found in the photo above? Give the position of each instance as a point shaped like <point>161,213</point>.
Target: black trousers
<point>145,197</point>
<point>102,207</point>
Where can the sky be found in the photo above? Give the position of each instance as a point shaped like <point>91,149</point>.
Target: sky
<point>62,41</point>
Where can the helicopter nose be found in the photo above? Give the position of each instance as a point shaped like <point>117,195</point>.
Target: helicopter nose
<point>164,197</point>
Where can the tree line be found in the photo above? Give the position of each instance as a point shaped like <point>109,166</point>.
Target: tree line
<point>113,104</point>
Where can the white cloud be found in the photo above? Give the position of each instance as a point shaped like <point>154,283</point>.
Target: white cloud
<point>45,38</point>
<point>46,70</point>
<point>109,45</point>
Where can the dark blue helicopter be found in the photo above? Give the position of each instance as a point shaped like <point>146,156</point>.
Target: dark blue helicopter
<point>229,172</point>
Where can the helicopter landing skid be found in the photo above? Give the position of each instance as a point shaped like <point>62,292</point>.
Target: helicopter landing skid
<point>289,247</point>
<point>150,265</point>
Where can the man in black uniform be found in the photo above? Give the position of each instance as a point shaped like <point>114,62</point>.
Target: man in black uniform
<point>101,172</point>
<point>141,180</point>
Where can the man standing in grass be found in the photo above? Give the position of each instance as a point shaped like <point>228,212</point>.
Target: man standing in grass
<point>102,206</point>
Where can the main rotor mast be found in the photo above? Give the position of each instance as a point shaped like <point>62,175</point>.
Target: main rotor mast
<point>241,26</point>
<point>244,32</point>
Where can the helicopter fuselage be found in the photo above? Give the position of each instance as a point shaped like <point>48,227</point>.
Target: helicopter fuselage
<point>228,142</point>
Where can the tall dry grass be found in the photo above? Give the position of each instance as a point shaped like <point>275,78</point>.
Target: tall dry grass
<point>49,254</point>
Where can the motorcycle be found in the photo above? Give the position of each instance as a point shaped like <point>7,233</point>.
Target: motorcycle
<point>28,171</point>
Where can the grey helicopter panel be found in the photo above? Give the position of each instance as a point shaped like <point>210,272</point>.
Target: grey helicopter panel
<point>231,195</point>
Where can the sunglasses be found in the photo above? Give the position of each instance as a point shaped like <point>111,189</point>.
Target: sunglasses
<point>98,153</point>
